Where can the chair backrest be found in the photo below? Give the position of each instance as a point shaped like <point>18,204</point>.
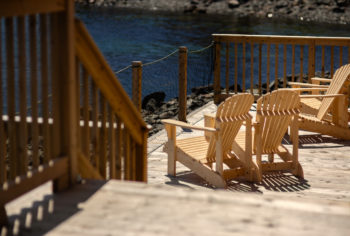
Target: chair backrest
<point>231,114</point>
<point>274,114</point>
<point>339,78</point>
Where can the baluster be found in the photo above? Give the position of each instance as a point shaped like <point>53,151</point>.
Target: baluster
<point>332,61</point>
<point>260,60</point>
<point>322,66</point>
<point>301,63</point>
<point>22,132</point>
<point>34,91</point>
<point>276,66</point>
<point>251,67</point>
<point>340,56</point>
<point>119,134</point>
<point>3,171</point>
<point>45,87</point>
<point>95,130</point>
<point>126,148</point>
<point>86,111</point>
<point>243,65</point>
<point>284,65</point>
<point>236,67</point>
<point>293,63</point>
<point>103,137</point>
<point>227,67</point>
<point>268,69</point>
<point>112,143</point>
<point>11,97</point>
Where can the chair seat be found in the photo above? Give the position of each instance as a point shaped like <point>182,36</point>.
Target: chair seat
<point>311,106</point>
<point>240,140</point>
<point>195,147</point>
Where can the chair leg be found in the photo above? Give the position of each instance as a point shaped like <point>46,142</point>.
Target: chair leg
<point>171,131</point>
<point>298,171</point>
<point>171,160</point>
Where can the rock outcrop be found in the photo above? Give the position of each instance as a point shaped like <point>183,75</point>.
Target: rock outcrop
<point>330,11</point>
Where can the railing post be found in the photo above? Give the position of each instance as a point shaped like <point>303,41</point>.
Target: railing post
<point>137,83</point>
<point>217,87</point>
<point>182,83</point>
<point>65,111</point>
<point>141,155</point>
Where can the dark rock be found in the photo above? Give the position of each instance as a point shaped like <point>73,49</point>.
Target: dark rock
<point>233,3</point>
<point>330,11</point>
<point>342,3</point>
<point>202,90</point>
<point>281,4</point>
<point>153,101</point>
<point>232,88</point>
<point>324,2</point>
<point>338,10</point>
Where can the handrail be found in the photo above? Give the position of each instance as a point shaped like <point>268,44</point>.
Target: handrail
<point>107,82</point>
<point>263,60</point>
<point>283,39</point>
<point>28,7</point>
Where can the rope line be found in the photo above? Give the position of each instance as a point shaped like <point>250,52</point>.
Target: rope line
<point>202,49</point>
<point>165,57</point>
<point>119,71</point>
<point>161,59</point>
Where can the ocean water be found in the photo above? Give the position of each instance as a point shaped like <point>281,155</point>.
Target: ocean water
<point>126,36</point>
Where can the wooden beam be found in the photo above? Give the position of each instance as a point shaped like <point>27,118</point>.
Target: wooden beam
<point>274,39</point>
<point>85,168</point>
<point>23,184</point>
<point>28,7</point>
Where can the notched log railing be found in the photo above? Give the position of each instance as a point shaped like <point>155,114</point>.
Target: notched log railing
<point>258,61</point>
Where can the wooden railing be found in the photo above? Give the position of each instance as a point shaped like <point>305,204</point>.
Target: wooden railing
<point>37,141</point>
<point>260,60</point>
<point>113,134</point>
<point>62,111</point>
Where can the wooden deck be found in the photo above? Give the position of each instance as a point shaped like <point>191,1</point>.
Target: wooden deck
<point>186,205</point>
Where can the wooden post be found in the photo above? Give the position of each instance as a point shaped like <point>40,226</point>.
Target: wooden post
<point>141,164</point>
<point>66,89</point>
<point>217,89</point>
<point>3,216</point>
<point>182,83</point>
<point>137,83</point>
<point>311,60</point>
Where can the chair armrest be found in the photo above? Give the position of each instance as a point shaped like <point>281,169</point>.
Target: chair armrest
<point>322,96</point>
<point>187,126</point>
<point>305,89</point>
<point>307,85</point>
<point>323,80</point>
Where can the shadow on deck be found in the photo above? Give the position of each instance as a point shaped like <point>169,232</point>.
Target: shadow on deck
<point>48,210</point>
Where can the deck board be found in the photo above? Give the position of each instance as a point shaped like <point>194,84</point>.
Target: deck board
<point>186,205</point>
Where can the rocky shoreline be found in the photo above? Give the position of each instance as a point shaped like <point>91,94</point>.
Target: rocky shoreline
<point>154,109</point>
<point>322,11</point>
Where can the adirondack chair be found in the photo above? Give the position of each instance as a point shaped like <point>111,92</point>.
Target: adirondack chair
<point>200,155</point>
<point>276,112</point>
<point>326,113</point>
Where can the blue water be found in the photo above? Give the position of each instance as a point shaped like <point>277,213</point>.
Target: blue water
<point>126,36</point>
